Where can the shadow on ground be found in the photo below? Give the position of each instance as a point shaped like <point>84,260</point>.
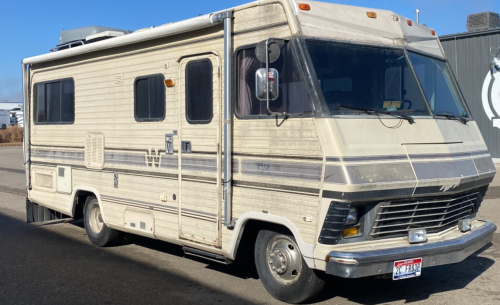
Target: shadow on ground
<point>38,266</point>
<point>433,280</point>
<point>365,290</point>
<point>57,269</point>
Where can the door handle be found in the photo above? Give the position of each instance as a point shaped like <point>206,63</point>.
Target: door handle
<point>169,144</point>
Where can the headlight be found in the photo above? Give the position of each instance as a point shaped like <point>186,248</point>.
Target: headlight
<point>351,220</point>
<point>352,217</point>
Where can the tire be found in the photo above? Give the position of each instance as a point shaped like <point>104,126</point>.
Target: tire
<point>97,231</point>
<point>282,270</point>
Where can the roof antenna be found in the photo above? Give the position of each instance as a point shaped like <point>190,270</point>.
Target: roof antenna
<point>417,11</point>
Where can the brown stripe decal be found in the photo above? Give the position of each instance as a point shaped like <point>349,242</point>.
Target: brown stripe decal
<point>161,208</point>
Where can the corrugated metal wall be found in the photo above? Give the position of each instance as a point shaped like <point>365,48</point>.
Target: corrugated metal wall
<point>469,56</point>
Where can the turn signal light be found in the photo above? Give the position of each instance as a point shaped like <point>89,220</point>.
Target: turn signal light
<point>433,33</point>
<point>169,82</point>
<point>371,14</point>
<point>409,22</point>
<point>350,232</point>
<point>305,7</point>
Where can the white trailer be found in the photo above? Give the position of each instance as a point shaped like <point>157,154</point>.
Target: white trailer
<point>4,119</point>
<point>322,137</point>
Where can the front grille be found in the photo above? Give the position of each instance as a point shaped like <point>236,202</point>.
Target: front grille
<point>396,218</point>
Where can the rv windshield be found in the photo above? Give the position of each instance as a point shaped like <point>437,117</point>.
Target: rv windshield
<point>365,77</point>
<point>439,87</point>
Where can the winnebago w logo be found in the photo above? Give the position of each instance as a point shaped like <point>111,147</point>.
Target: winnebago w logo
<point>491,92</point>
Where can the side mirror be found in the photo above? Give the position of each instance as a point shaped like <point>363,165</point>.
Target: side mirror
<point>261,81</point>
<point>267,80</point>
<point>270,49</point>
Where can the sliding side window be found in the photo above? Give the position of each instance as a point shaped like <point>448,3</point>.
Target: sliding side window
<point>54,102</point>
<point>199,91</point>
<point>149,101</point>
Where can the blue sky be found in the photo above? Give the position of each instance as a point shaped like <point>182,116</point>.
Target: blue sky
<point>30,28</point>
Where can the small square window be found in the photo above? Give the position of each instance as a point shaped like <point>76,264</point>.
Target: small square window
<point>149,105</point>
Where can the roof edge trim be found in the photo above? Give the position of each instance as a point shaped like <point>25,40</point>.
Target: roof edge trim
<point>179,27</point>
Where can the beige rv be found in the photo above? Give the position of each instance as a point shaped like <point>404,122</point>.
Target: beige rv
<point>319,138</point>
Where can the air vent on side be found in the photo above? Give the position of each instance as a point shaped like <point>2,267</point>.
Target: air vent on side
<point>94,150</point>
<point>44,179</point>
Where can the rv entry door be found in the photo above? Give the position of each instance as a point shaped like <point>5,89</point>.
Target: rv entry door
<point>200,166</point>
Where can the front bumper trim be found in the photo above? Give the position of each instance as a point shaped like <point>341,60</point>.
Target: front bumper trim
<point>377,262</point>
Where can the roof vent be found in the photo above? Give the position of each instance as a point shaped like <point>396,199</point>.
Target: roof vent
<point>483,21</point>
<point>77,37</point>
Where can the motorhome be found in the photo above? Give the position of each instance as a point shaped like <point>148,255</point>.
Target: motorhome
<point>328,139</point>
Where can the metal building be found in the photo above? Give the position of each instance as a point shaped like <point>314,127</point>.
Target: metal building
<point>470,58</point>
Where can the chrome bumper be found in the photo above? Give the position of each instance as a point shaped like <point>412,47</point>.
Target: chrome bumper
<point>377,262</point>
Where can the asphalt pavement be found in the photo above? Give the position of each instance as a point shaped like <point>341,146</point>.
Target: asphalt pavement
<point>55,263</point>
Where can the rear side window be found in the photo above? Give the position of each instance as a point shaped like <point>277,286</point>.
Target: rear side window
<point>199,92</point>
<point>54,102</point>
<point>149,104</point>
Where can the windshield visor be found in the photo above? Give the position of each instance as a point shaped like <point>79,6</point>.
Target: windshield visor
<point>365,77</point>
<point>439,86</point>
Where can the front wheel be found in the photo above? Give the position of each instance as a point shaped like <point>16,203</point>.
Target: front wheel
<point>282,270</point>
<point>97,231</point>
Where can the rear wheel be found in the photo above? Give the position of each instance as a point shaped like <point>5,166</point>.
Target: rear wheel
<point>97,231</point>
<point>282,270</point>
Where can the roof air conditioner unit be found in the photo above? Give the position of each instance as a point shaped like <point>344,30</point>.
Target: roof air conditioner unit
<point>85,35</point>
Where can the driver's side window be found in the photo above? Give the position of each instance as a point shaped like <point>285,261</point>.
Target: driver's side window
<point>292,96</point>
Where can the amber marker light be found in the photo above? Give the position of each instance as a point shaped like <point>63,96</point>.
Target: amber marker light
<point>350,232</point>
<point>169,82</point>
<point>409,22</point>
<point>305,7</point>
<point>433,33</point>
<point>371,14</point>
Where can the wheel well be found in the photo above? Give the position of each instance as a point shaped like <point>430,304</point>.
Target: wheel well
<point>251,228</point>
<point>80,198</point>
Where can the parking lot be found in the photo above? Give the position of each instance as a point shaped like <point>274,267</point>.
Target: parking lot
<point>55,263</point>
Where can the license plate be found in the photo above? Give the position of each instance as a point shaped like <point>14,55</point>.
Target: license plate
<point>407,268</point>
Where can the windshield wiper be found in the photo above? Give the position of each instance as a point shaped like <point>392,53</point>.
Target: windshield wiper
<point>410,119</point>
<point>452,117</point>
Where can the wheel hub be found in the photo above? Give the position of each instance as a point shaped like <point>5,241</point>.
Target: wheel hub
<point>284,258</point>
<point>95,218</point>
<point>278,262</point>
